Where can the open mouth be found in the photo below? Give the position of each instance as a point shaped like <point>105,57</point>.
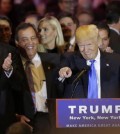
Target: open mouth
<point>29,47</point>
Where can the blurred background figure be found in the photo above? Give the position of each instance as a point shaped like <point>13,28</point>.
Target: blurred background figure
<point>40,7</point>
<point>18,1</point>
<point>113,21</point>
<point>32,18</point>
<point>7,9</point>
<point>19,128</point>
<point>50,35</point>
<point>21,10</point>
<point>85,4</point>
<point>67,6</point>
<point>99,8</point>
<point>85,17</point>
<point>113,6</point>
<point>6,6</point>
<point>5,30</point>
<point>104,33</point>
<point>69,24</point>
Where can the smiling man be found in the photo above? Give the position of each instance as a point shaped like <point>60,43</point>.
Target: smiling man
<point>101,80</point>
<point>39,68</point>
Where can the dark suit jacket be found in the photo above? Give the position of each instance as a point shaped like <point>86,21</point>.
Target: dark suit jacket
<point>49,61</point>
<point>13,91</point>
<point>114,41</point>
<point>109,74</point>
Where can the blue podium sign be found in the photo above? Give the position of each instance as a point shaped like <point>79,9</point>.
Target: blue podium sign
<point>87,113</point>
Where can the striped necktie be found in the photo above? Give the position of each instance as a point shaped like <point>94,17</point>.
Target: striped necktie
<point>30,79</point>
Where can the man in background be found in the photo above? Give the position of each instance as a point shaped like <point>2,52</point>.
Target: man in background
<point>69,25</point>
<point>104,33</point>
<point>113,20</point>
<point>5,30</point>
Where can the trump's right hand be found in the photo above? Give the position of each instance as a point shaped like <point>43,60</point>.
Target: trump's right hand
<point>65,72</point>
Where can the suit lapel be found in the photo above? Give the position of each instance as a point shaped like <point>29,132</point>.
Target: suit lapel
<point>105,73</point>
<point>47,67</point>
<point>81,64</point>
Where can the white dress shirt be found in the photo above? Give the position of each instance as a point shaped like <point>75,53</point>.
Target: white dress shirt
<point>115,30</point>
<point>40,96</point>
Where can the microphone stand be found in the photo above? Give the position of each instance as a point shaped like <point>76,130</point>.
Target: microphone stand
<point>79,75</point>
<point>77,80</point>
<point>74,89</point>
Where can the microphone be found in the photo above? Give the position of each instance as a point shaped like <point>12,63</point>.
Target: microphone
<point>80,74</point>
<point>76,81</point>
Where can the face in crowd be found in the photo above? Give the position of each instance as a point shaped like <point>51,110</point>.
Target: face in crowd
<point>105,39</point>
<point>67,5</point>
<point>28,41</point>
<point>68,27</point>
<point>5,31</point>
<point>85,18</point>
<point>5,6</point>
<point>47,34</point>
<point>88,40</point>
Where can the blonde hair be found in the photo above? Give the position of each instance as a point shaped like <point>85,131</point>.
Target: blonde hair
<point>60,43</point>
<point>86,32</point>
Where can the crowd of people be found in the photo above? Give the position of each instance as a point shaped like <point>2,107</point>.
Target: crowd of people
<point>44,45</point>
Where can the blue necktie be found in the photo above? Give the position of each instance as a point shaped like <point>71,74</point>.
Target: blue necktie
<point>92,85</point>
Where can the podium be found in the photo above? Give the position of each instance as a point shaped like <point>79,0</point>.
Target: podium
<point>81,130</point>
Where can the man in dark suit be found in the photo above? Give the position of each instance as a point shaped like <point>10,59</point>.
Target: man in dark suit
<point>12,88</point>
<point>75,69</point>
<point>113,20</point>
<point>42,70</point>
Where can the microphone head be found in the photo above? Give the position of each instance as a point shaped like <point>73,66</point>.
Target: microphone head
<point>87,68</point>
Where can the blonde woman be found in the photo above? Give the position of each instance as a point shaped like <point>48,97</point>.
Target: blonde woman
<point>50,35</point>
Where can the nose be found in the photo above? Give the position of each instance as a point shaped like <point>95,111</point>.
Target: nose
<point>6,30</point>
<point>29,41</point>
<point>85,48</point>
<point>41,32</point>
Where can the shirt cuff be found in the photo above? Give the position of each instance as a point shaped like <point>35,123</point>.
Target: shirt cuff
<point>9,72</point>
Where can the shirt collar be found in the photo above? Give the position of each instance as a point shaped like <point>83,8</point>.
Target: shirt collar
<point>36,60</point>
<point>96,59</point>
<point>72,40</point>
<point>115,30</point>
